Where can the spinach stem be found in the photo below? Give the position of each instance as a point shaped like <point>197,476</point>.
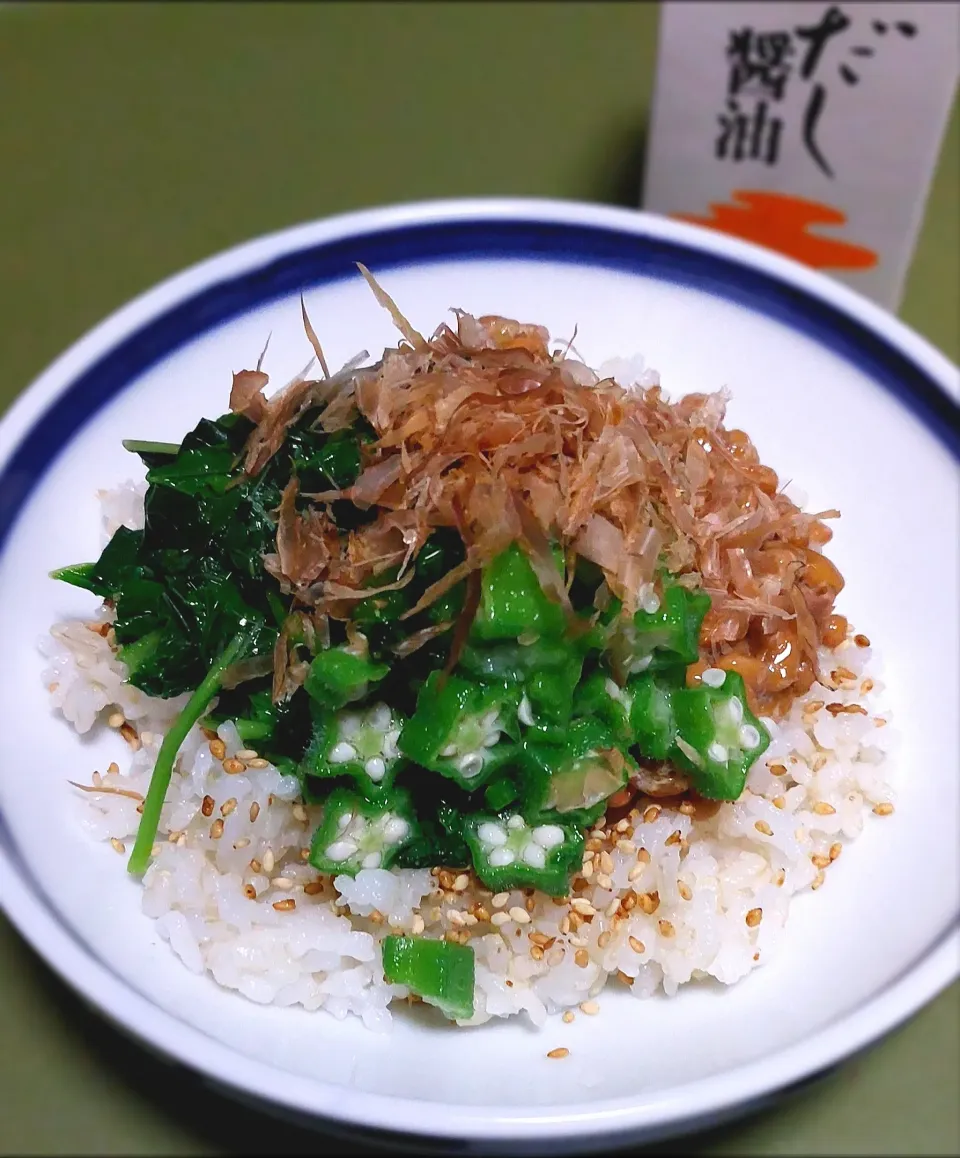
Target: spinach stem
<point>195,707</point>
<point>140,446</point>
<point>136,653</point>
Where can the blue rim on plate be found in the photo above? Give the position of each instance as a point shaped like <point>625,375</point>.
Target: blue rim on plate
<point>621,242</point>
<point>657,258</point>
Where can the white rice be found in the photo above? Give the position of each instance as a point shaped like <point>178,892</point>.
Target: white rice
<point>704,897</point>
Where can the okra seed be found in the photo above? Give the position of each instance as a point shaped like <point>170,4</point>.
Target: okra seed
<point>713,677</point>
<point>449,750</point>
<point>534,855</point>
<point>395,829</point>
<point>735,708</point>
<point>379,717</point>
<point>491,834</point>
<point>749,736</point>
<point>501,857</point>
<point>341,850</point>
<point>717,752</point>
<point>342,752</point>
<point>548,835</point>
<point>375,768</point>
<point>515,822</point>
<point>470,765</point>
<point>350,725</point>
<point>344,821</point>
<point>525,712</point>
<point>492,740</point>
<point>371,860</point>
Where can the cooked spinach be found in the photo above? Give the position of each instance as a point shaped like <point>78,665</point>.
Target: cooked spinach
<point>193,578</point>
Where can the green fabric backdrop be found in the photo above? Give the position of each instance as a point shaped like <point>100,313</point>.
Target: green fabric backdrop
<point>137,139</point>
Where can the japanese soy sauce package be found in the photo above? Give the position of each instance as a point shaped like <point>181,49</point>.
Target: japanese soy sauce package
<point>810,128</point>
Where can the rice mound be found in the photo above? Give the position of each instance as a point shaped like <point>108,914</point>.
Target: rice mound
<point>667,895</point>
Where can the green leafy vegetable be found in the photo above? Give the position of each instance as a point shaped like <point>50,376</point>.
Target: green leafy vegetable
<point>491,746</point>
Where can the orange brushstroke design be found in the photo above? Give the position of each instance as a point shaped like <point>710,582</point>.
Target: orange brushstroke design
<point>781,222</point>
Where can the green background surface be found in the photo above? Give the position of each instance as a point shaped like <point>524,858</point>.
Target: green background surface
<point>135,140</point>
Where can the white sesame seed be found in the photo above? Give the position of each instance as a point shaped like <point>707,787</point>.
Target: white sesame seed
<point>268,860</point>
<point>521,916</point>
<point>498,900</point>
<point>690,752</point>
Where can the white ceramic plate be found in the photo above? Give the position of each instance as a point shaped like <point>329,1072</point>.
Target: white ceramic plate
<point>838,396</point>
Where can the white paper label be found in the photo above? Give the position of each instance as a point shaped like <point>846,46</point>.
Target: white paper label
<point>810,128</point>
